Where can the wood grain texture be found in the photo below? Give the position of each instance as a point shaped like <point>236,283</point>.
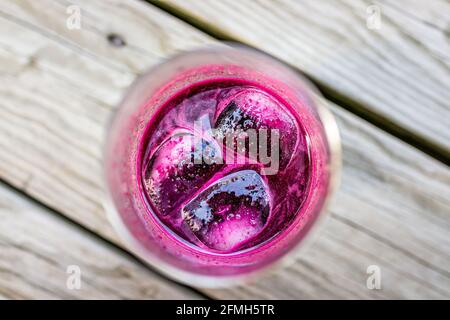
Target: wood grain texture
<point>392,210</point>
<point>59,88</point>
<point>37,247</point>
<point>53,77</point>
<point>398,75</point>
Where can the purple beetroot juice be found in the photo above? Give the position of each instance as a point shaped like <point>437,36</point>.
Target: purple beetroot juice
<point>218,163</point>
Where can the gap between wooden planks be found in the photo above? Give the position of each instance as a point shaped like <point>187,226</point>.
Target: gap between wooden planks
<point>397,77</point>
<point>59,87</point>
<point>37,248</point>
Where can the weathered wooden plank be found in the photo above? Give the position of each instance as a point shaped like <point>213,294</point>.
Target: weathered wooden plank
<point>64,75</point>
<point>391,211</point>
<point>399,73</point>
<point>59,88</point>
<point>38,249</point>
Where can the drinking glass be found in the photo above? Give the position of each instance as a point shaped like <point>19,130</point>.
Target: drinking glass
<point>127,206</point>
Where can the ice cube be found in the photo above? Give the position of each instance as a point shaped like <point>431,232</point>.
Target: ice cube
<point>176,170</point>
<point>229,212</point>
<point>254,109</point>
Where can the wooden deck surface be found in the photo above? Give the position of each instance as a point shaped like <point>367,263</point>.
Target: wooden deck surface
<point>389,90</point>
